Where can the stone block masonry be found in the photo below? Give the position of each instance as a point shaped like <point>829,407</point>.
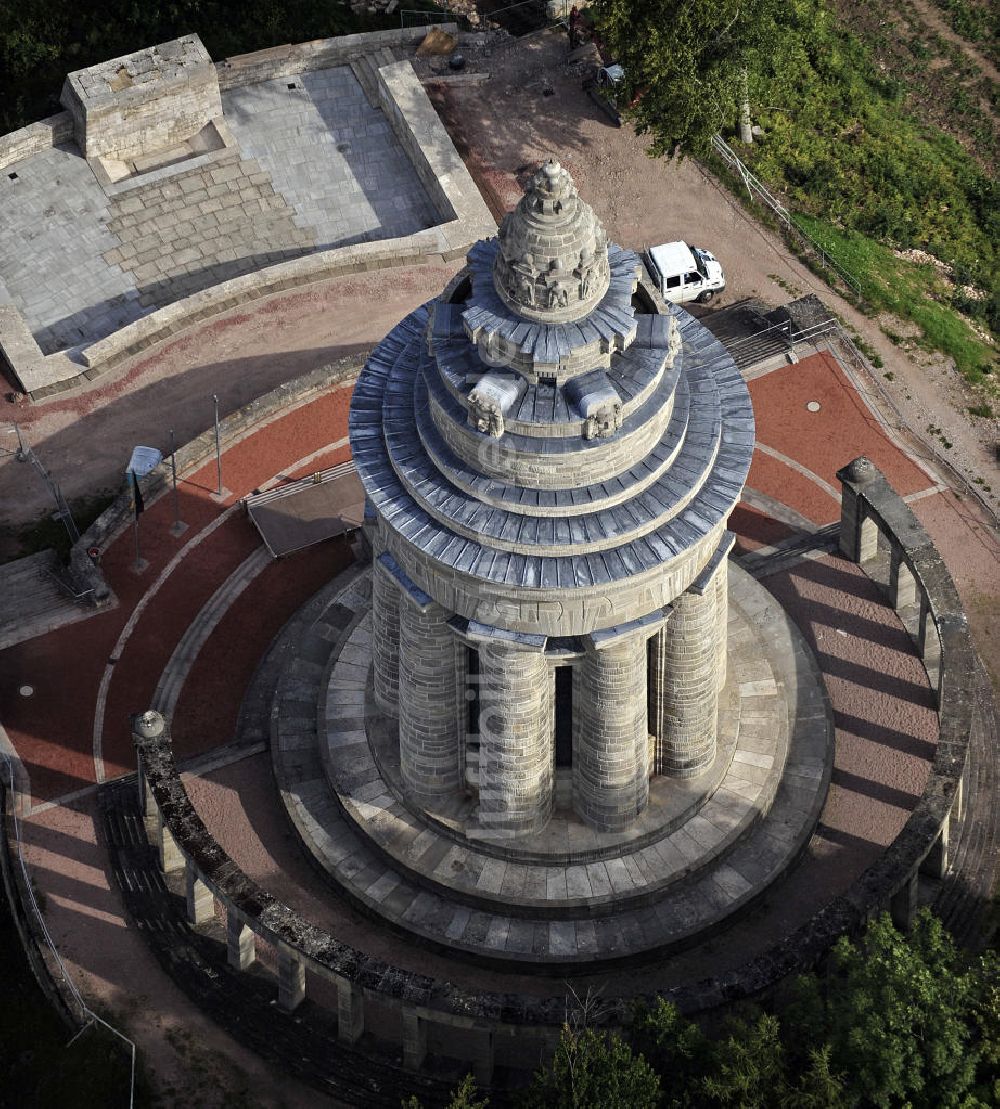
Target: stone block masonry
<point>610,735</point>
<point>429,710</point>
<point>515,727</point>
<point>385,620</point>
<point>151,100</point>
<point>188,233</point>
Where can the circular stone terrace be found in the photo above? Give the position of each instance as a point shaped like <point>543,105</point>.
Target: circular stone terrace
<point>197,622</point>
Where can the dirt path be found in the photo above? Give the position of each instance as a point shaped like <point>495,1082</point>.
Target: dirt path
<point>642,201</point>
<point>937,23</point>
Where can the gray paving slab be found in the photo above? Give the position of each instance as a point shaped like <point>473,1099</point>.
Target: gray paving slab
<point>53,235</point>
<point>331,156</point>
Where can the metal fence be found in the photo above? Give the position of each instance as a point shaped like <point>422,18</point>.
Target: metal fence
<point>418,17</point>
<point>759,191</point>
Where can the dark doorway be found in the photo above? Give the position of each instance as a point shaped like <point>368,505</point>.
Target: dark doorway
<point>564,716</point>
<point>472,689</point>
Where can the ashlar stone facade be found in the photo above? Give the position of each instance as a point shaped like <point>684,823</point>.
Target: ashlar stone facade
<point>550,463</point>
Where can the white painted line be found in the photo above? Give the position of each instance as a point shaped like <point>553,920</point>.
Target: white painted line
<point>133,620</point>
<point>799,468</point>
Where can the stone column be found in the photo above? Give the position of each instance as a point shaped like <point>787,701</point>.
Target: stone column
<point>689,704</point>
<point>902,583</point>
<point>385,639</point>
<point>414,1040</point>
<point>350,1011</point>
<point>241,947</point>
<point>430,711</point>
<point>903,904</point>
<point>721,585</point>
<point>516,740</point>
<point>610,734</point>
<point>200,901</point>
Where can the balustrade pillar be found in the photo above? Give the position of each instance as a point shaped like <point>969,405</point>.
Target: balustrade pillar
<point>200,902</point>
<point>291,981</point>
<point>350,1011</point>
<point>241,948</point>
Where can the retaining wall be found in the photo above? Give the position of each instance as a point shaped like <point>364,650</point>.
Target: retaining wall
<point>462,210</point>
<point>506,1027</point>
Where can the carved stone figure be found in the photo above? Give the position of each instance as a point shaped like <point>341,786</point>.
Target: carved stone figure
<point>485,415</point>
<point>603,423</point>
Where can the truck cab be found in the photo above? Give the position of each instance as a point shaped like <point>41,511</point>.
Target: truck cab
<point>683,273</point>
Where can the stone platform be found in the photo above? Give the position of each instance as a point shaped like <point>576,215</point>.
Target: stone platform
<point>707,847</point>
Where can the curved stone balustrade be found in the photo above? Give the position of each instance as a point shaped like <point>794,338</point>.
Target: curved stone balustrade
<point>429,1008</point>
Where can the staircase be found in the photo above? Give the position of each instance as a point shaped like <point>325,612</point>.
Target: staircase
<point>366,66</point>
<point>749,334</point>
<point>38,596</point>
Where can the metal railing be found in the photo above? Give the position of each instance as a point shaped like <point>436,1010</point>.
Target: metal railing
<point>759,191</point>
<point>422,18</point>
<point>86,1016</point>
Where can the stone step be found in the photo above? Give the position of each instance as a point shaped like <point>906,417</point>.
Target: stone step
<point>357,865</point>
<point>37,598</point>
<point>365,68</point>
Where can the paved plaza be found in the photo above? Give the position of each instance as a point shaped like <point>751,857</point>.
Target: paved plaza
<point>314,166</point>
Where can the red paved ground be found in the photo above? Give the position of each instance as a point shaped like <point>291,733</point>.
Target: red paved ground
<point>843,428</point>
<point>53,730</point>
<point>778,480</point>
<point>209,704</point>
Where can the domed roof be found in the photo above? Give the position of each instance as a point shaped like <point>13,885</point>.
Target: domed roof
<point>552,262</point>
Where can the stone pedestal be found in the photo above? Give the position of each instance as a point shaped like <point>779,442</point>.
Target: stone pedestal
<point>431,715</point>
<point>610,735</point>
<point>516,752</point>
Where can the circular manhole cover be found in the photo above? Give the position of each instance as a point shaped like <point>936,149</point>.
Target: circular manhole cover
<point>813,406</point>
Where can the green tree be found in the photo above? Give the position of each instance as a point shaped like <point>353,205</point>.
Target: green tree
<point>677,1050</point>
<point>464,1096</point>
<point>591,1070</point>
<point>690,64</point>
<point>903,1015</point>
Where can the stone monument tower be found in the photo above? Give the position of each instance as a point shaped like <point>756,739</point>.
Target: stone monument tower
<point>550,461</point>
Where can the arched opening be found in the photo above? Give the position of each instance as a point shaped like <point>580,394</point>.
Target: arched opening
<point>643,302</point>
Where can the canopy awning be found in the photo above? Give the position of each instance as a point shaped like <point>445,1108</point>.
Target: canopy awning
<point>308,510</point>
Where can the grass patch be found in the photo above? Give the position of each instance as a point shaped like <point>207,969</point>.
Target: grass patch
<point>918,293</point>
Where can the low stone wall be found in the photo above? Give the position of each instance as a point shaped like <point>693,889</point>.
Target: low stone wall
<point>464,215</point>
<point>508,1027</point>
<point>35,138</point>
<point>301,57</point>
<point>85,570</point>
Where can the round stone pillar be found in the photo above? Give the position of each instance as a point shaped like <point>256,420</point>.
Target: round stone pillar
<point>690,693</point>
<point>610,735</point>
<point>430,711</point>
<point>385,640</point>
<point>721,584</point>
<point>516,740</point>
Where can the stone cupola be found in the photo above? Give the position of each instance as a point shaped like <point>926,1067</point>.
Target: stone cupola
<point>552,262</point>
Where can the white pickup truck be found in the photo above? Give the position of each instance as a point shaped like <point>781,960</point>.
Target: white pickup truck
<point>684,273</point>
